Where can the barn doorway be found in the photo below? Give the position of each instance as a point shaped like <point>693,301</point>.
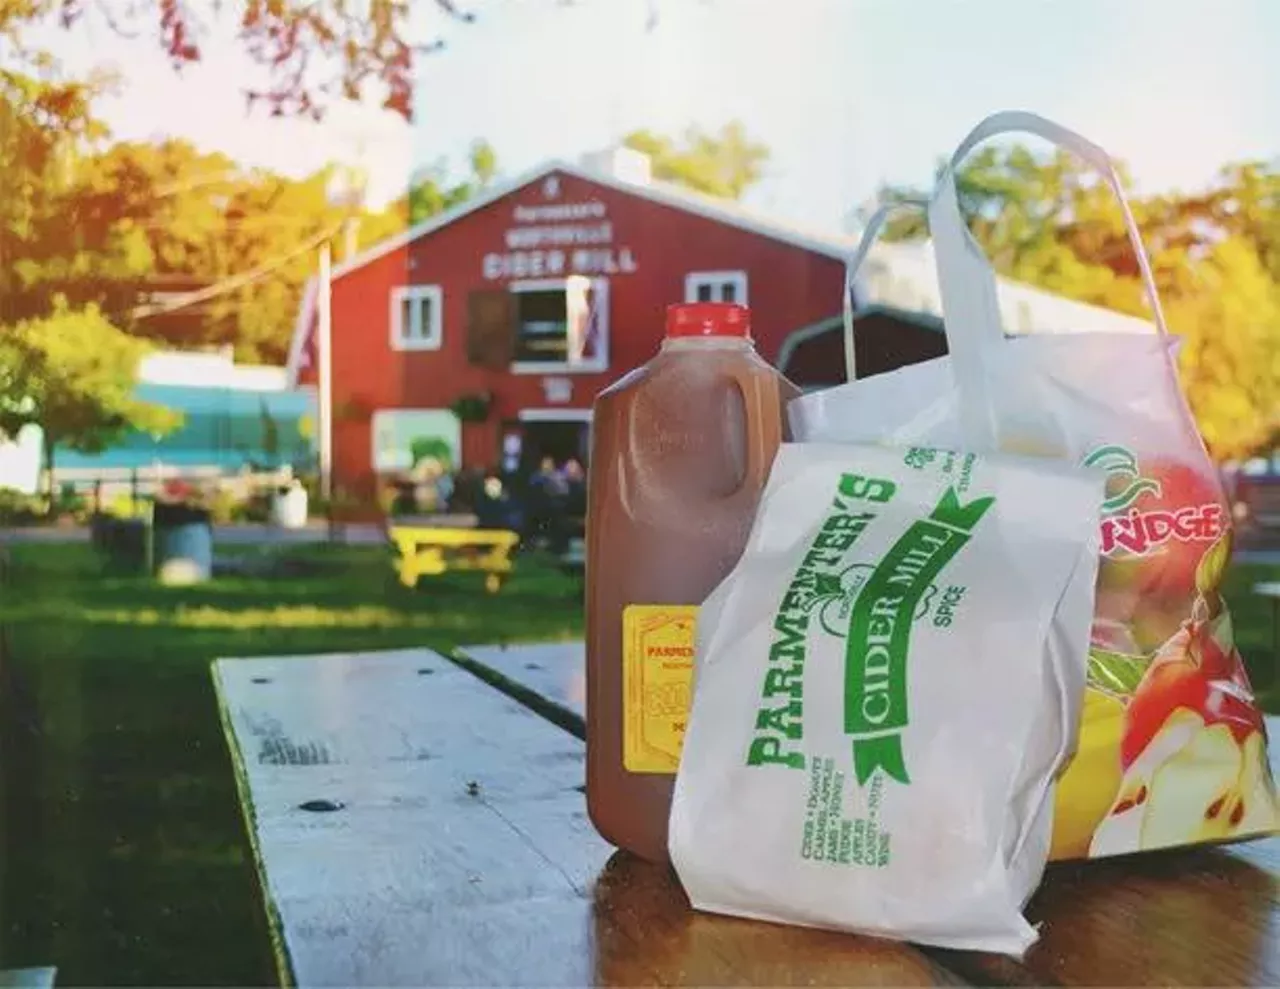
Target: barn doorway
<point>560,436</point>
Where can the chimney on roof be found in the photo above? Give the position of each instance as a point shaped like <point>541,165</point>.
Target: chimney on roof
<point>621,162</point>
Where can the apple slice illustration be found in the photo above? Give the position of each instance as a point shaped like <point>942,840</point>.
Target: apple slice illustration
<point>1121,830</point>
<point>1196,784</point>
<point>1195,794</point>
<point>1197,668</point>
<point>1257,788</point>
<point>1193,750</point>
<point>1193,672</point>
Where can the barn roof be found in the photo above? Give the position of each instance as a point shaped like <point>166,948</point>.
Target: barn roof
<point>897,278</point>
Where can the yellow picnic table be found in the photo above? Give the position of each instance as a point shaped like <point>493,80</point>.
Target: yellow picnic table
<point>424,551</point>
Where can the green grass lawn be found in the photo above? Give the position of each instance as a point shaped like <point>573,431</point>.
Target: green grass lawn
<point>125,858</point>
<point>1255,633</point>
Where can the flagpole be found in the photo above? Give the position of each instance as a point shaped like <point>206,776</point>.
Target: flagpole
<point>324,327</point>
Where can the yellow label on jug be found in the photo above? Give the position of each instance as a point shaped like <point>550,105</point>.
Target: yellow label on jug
<point>657,679</point>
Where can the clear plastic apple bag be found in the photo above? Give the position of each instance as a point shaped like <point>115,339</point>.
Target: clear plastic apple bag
<point>1173,744</point>
<point>885,687</point>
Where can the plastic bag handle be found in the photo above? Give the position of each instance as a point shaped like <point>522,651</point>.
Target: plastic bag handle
<point>1015,121</point>
<point>967,285</point>
<point>874,228</point>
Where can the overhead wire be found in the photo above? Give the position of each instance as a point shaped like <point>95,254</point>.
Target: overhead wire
<point>234,282</point>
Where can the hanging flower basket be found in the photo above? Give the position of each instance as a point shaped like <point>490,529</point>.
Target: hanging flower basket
<point>472,408</point>
<point>183,501</point>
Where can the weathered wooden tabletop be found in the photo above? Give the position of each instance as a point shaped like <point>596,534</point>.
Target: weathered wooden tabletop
<point>416,826</point>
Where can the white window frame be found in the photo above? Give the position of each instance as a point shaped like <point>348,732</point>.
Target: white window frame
<point>554,415</point>
<point>698,279</point>
<point>433,338</point>
<point>598,364</point>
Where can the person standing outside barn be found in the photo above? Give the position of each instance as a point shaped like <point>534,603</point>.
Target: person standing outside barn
<point>545,487</point>
<point>570,520</point>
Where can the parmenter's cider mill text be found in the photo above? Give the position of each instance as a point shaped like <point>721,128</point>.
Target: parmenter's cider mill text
<point>877,637</point>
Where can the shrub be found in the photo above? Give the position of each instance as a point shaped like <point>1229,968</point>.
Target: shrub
<point>71,502</point>
<point>17,508</point>
<point>224,506</point>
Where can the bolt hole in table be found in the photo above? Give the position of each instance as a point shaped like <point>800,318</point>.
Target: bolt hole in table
<point>454,850</point>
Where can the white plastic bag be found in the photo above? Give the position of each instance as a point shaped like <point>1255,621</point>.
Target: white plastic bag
<point>885,687</point>
<point>1173,748</point>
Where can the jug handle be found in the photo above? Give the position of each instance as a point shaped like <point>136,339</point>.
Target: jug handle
<point>761,393</point>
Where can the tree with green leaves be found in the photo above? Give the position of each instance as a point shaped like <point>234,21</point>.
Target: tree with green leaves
<point>75,376</point>
<point>117,225</point>
<point>243,241</point>
<point>251,238</point>
<point>431,191</point>
<point>723,164</point>
<point>1246,203</point>
<point>1229,321</point>
<point>44,127</point>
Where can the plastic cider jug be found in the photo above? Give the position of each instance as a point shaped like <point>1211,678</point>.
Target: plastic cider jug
<point>681,448</point>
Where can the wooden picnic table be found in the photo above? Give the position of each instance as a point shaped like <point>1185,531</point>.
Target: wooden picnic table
<point>415,825</point>
<point>428,551</point>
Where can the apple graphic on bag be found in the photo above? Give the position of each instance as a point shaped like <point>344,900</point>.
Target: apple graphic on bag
<point>1194,747</point>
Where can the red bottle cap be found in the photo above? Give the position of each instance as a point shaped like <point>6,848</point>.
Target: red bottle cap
<point>708,319</point>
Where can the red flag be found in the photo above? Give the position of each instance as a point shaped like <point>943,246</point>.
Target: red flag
<point>303,359</point>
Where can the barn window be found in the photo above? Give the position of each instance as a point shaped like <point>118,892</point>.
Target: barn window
<point>561,325</point>
<point>417,317</point>
<point>716,286</point>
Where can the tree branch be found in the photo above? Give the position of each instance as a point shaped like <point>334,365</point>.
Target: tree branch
<point>235,282</point>
<point>314,51</point>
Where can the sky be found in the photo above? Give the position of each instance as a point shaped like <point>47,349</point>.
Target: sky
<point>847,94</point>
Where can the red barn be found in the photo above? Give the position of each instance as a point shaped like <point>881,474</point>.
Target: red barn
<point>490,328</point>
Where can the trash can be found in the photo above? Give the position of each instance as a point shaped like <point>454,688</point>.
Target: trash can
<point>123,543</point>
<point>182,538</point>
<point>289,507</point>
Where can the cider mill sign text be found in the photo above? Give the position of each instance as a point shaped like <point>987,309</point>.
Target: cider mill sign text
<point>554,239</point>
